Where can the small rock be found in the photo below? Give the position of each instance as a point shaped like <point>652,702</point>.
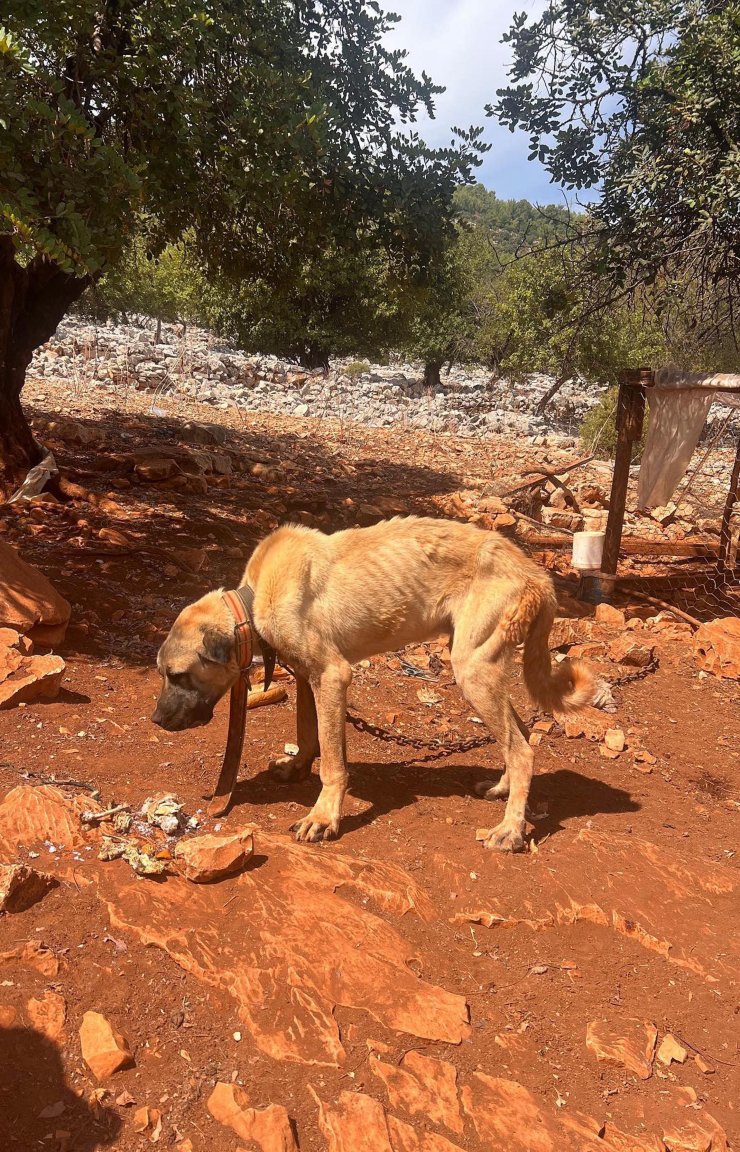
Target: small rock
<point>148,1122</point>
<point>589,722</point>
<point>34,678</point>
<point>610,616</point>
<point>207,858</point>
<point>48,1015</point>
<point>28,602</point>
<point>717,648</point>
<point>623,650</point>
<point>671,1051</point>
<point>664,515</point>
<point>104,1050</point>
<point>268,1128</point>
<point>614,739</point>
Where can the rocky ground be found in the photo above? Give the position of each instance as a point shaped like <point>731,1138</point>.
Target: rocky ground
<point>402,989</point>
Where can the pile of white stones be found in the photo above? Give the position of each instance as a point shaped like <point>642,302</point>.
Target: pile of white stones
<point>470,402</point>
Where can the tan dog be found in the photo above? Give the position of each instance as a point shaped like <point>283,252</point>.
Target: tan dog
<point>326,602</point>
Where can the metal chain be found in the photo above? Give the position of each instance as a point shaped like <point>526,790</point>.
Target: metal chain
<point>440,748</point>
<point>639,674</point>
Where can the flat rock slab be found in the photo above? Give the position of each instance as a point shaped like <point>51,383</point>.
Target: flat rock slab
<point>627,1043</point>
<point>303,932</point>
<point>28,601</point>
<point>682,907</point>
<point>294,945</point>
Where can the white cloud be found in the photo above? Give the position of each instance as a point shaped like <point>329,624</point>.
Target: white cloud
<point>458,43</point>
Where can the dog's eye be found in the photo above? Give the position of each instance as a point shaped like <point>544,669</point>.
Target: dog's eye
<point>179,679</point>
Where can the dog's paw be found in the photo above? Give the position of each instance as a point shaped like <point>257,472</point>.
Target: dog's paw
<point>504,838</point>
<point>490,791</point>
<point>289,769</point>
<point>313,828</point>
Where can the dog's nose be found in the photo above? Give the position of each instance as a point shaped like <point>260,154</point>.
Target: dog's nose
<point>157,718</point>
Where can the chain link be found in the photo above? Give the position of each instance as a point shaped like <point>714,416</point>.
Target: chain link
<point>439,748</point>
<point>455,747</point>
<point>639,674</point>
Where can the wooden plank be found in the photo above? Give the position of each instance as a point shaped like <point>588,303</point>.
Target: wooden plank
<point>636,546</point>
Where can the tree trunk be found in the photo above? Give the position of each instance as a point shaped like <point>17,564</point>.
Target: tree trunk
<point>33,299</point>
<point>312,357</point>
<point>551,393</point>
<point>18,449</point>
<point>432,378</point>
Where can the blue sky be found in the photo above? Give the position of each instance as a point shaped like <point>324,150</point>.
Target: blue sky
<point>458,43</point>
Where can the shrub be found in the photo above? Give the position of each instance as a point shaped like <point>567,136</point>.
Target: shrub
<point>598,431</point>
<point>357,368</point>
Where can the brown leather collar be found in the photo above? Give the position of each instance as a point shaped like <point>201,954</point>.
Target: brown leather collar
<point>240,603</point>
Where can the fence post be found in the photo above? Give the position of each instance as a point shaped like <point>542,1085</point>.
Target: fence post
<point>630,414</point>
<point>598,586</point>
<point>725,539</point>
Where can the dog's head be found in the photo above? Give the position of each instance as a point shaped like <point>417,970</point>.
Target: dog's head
<point>197,663</point>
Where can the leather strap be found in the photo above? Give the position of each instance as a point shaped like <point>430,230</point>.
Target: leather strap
<point>240,603</point>
<point>245,595</point>
<point>220,802</point>
<point>242,628</point>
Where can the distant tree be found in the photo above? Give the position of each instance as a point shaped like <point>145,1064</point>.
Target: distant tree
<point>438,321</point>
<point>169,286</point>
<point>511,226</point>
<point>337,302</point>
<point>641,101</point>
<point>266,128</point>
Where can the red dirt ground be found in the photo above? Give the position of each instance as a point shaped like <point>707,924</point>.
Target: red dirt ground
<point>625,910</point>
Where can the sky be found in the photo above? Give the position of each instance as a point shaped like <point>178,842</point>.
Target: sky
<point>458,43</point>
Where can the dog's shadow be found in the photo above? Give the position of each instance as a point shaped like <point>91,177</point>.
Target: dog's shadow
<point>564,795</point>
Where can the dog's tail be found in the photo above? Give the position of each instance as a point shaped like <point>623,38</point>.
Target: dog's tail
<point>568,686</point>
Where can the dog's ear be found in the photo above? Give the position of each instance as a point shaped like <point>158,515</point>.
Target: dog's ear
<point>217,646</point>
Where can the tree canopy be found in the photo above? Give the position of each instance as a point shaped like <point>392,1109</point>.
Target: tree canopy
<point>273,130</point>
<point>640,101</point>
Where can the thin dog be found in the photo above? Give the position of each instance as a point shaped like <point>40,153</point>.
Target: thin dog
<point>325,602</point>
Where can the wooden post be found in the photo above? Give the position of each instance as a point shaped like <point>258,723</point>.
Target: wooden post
<point>630,414</point>
<point>599,586</point>
<point>733,496</point>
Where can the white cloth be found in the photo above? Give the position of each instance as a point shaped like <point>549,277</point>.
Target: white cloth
<point>679,403</point>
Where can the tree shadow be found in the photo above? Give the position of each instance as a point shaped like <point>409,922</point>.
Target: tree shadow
<point>32,1081</point>
<point>313,482</point>
<point>566,795</point>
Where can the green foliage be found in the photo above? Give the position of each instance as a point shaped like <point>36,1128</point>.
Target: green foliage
<point>642,101</point>
<point>169,286</point>
<point>337,302</point>
<point>510,226</point>
<point>270,130</point>
<point>357,368</point>
<point>598,431</point>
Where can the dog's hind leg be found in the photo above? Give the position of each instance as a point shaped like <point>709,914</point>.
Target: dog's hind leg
<point>330,691</point>
<point>484,684</point>
<point>500,790</point>
<point>287,769</point>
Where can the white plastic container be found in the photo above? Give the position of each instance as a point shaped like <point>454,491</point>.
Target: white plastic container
<point>588,550</point>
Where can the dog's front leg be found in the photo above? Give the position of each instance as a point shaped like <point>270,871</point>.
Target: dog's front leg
<point>330,691</point>
<point>287,769</point>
